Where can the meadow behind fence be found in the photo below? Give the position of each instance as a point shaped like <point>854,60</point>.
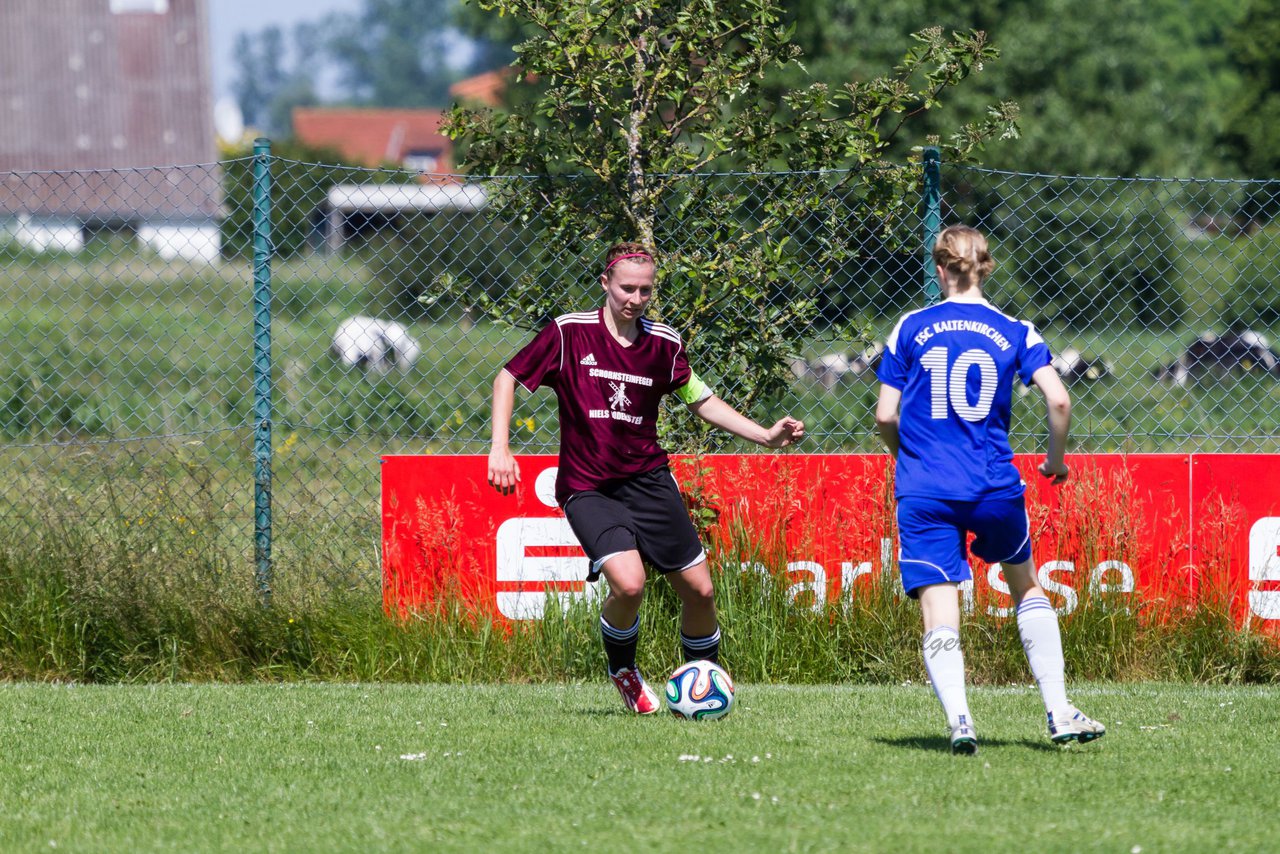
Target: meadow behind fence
<point>139,450</point>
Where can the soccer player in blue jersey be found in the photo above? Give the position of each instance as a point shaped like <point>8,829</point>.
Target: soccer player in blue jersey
<point>946,386</point>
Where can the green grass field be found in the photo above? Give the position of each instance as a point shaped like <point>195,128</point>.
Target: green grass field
<point>307,767</point>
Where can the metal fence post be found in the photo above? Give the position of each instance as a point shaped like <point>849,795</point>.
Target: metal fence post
<point>932,220</point>
<point>262,411</point>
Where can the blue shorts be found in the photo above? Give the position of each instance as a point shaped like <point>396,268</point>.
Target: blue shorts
<point>932,534</point>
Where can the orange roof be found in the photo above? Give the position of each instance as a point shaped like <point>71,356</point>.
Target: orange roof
<point>374,137</point>
<point>484,88</point>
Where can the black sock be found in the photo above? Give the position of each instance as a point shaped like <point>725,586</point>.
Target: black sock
<point>707,648</point>
<point>620,644</point>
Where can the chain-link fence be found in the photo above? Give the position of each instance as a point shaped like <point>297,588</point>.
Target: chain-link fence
<point>1162,294</point>
<point>132,331</point>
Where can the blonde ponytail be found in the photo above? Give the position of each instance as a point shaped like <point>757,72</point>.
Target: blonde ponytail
<point>962,251</point>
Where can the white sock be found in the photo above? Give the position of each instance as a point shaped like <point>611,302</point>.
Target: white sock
<point>944,661</point>
<point>1038,626</point>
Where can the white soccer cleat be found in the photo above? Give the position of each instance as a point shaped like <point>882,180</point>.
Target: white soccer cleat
<point>636,693</point>
<point>964,739</point>
<point>1071,724</point>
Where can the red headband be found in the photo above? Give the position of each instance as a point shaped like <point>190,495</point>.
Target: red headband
<point>624,257</point>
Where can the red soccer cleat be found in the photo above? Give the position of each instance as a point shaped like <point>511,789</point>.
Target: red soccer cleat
<point>636,693</point>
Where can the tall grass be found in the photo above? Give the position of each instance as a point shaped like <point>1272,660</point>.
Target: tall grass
<point>148,598</point>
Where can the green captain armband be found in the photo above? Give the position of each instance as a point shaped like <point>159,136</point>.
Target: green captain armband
<point>694,391</point>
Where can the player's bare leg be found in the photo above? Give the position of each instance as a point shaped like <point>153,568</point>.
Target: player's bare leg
<point>625,573</point>
<point>699,627</point>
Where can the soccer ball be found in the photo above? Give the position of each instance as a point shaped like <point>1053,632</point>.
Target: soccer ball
<point>700,691</point>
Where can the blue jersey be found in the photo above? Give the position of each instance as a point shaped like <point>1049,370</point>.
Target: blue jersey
<point>954,363</point>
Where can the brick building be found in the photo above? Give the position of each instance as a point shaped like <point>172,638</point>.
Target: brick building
<point>106,123</point>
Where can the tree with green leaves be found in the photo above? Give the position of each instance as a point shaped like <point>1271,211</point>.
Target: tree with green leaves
<point>1092,77</point>
<point>274,74</point>
<point>1253,116</point>
<point>390,53</point>
<point>258,73</point>
<point>398,53</point>
<point>621,108</point>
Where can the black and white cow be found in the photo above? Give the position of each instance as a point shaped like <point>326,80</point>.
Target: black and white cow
<point>832,368</point>
<point>1074,367</point>
<point>1212,356</point>
<point>374,345</point>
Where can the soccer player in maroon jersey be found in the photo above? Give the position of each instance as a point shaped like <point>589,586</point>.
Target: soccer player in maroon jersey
<point>609,368</point>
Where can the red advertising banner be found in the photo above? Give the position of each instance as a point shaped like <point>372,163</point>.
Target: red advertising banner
<point>1236,539</point>
<point>1166,527</point>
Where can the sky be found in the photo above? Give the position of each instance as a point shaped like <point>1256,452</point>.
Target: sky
<point>229,18</point>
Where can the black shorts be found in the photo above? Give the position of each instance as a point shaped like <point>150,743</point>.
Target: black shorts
<point>643,513</point>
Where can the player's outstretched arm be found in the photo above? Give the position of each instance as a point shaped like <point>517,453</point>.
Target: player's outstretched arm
<point>504,471</point>
<point>716,412</point>
<point>1057,405</point>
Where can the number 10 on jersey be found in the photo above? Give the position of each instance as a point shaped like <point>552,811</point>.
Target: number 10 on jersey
<point>948,383</point>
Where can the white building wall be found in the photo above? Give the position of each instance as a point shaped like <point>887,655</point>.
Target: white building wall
<point>187,242</point>
<point>48,235</point>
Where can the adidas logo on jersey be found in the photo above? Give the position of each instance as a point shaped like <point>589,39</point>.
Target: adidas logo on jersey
<point>589,359</point>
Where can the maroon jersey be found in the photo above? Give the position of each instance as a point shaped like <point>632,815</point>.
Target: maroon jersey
<point>608,393</point>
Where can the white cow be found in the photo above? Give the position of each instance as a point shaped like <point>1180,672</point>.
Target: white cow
<point>374,345</point>
<point>830,369</point>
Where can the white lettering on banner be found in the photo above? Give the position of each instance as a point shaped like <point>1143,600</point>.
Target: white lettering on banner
<point>1124,585</point>
<point>516,535</point>
<point>1264,567</point>
<point>531,605</point>
<point>513,565</point>
<point>850,573</point>
<point>995,579</point>
<point>1071,599</point>
<point>817,584</point>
